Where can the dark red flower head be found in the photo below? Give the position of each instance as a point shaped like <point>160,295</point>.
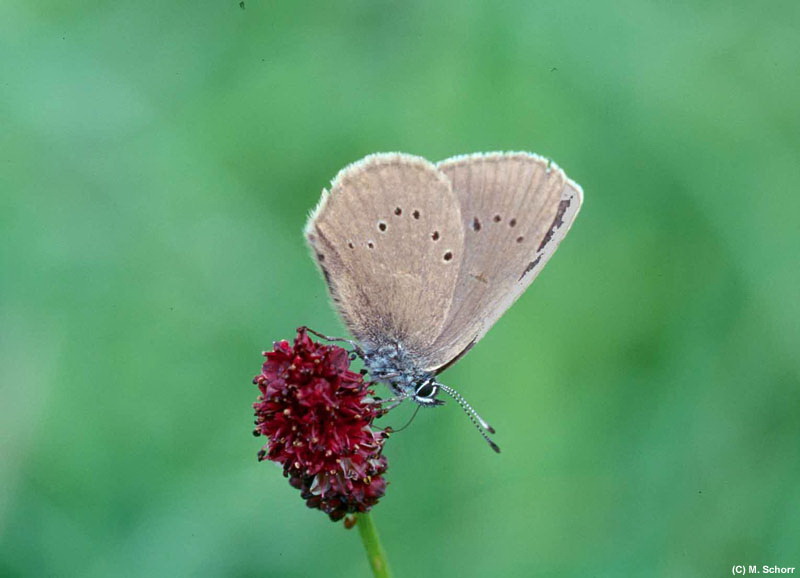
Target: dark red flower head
<point>318,416</point>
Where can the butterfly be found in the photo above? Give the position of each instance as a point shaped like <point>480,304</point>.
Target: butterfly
<point>421,259</point>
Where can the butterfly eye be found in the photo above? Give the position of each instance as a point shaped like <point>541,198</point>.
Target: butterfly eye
<point>426,390</point>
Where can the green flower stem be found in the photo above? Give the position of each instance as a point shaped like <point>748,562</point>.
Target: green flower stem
<point>372,544</point>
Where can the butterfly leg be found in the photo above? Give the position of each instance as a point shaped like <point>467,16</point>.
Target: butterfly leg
<point>356,348</point>
<point>389,404</point>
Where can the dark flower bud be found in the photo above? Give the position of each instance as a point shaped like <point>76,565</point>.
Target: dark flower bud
<point>317,416</point>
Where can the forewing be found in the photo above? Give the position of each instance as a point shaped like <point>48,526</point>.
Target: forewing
<point>515,209</point>
<point>389,240</point>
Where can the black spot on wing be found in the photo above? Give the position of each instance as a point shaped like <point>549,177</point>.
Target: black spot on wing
<point>530,267</point>
<point>557,222</point>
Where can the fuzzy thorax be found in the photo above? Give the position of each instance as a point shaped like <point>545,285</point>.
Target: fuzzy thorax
<point>392,365</point>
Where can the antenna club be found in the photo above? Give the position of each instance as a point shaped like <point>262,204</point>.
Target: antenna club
<point>479,423</point>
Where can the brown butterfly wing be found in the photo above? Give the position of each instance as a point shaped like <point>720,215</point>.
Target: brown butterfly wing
<point>388,238</point>
<point>515,210</point>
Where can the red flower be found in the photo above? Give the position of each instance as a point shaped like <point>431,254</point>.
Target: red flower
<point>316,414</point>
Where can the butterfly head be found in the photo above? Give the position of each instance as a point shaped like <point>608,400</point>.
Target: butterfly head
<point>425,392</point>
<point>391,364</point>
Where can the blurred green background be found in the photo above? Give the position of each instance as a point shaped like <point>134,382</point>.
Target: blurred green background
<point>157,163</point>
